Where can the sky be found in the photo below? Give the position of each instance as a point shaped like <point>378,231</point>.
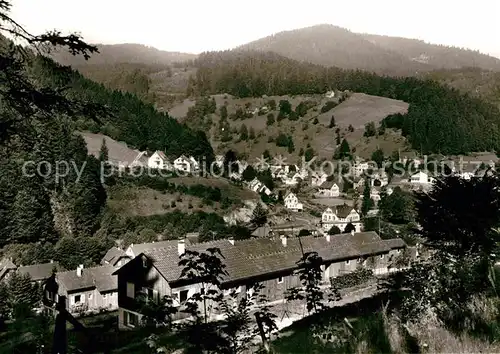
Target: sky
<point>199,25</point>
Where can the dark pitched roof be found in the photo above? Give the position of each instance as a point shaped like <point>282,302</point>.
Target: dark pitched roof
<point>113,255</point>
<point>395,243</point>
<point>343,210</point>
<point>193,237</point>
<point>5,266</point>
<point>262,231</point>
<point>161,154</point>
<point>100,277</point>
<point>327,184</point>
<point>166,259</point>
<point>260,256</point>
<point>39,271</point>
<point>290,225</point>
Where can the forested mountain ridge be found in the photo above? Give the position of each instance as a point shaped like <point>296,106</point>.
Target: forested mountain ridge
<point>440,119</point>
<point>335,46</point>
<point>437,55</point>
<point>157,77</point>
<point>131,120</point>
<point>479,83</point>
<point>110,54</point>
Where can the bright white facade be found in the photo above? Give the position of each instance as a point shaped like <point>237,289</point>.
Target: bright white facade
<point>185,164</point>
<point>159,160</point>
<point>317,179</point>
<point>329,190</point>
<point>340,217</point>
<point>292,202</point>
<point>421,178</point>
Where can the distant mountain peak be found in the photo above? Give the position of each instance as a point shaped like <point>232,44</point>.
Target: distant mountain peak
<point>331,45</point>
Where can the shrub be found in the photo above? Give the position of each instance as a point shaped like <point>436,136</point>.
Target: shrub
<point>358,277</point>
<point>328,106</point>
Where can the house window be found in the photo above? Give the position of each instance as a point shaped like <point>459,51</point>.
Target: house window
<point>131,319</point>
<point>150,294</point>
<point>49,295</point>
<point>77,299</point>
<point>131,290</point>
<point>347,262</point>
<point>280,280</point>
<point>381,256</point>
<point>144,262</point>
<point>183,296</point>
<point>90,296</point>
<point>104,296</point>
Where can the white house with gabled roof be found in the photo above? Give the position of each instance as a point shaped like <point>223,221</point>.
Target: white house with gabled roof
<point>259,187</point>
<point>317,179</point>
<point>329,189</point>
<point>340,216</point>
<point>292,202</point>
<point>195,165</point>
<point>186,164</point>
<point>159,160</point>
<point>421,178</point>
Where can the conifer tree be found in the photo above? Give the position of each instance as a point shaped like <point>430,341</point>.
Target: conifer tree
<point>23,294</point>
<point>332,122</point>
<point>344,151</point>
<point>244,132</point>
<point>367,202</point>
<point>103,152</point>
<point>259,215</point>
<point>31,214</point>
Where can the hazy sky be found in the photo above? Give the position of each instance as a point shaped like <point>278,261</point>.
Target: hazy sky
<point>200,25</point>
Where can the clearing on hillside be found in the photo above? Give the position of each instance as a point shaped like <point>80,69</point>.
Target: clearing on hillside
<point>118,152</point>
<point>309,131</point>
<point>221,183</point>
<point>143,201</point>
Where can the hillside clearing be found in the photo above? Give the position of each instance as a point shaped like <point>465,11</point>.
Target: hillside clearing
<point>144,201</point>
<point>117,151</point>
<point>310,130</point>
<point>223,184</point>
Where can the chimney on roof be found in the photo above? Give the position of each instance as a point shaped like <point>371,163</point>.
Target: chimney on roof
<point>284,240</point>
<point>51,261</point>
<point>328,237</point>
<point>231,240</point>
<point>79,270</point>
<point>181,246</point>
<point>352,232</point>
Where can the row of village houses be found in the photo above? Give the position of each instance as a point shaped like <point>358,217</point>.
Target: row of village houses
<point>326,187</point>
<point>291,175</point>
<point>151,269</point>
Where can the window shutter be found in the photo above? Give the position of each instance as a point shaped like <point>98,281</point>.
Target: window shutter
<point>83,298</point>
<point>156,297</point>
